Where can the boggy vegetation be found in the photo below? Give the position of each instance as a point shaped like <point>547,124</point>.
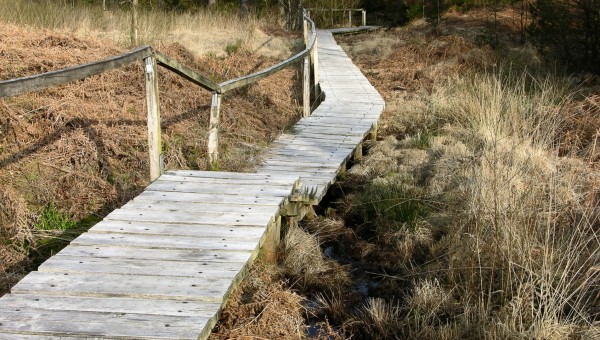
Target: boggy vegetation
<point>474,215</point>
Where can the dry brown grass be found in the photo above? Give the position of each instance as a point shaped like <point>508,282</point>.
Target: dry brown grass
<point>262,307</point>
<point>510,248</point>
<point>15,236</point>
<point>82,146</point>
<point>304,263</point>
<point>202,32</point>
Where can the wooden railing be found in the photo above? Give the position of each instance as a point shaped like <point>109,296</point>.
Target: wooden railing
<point>349,10</point>
<point>151,59</point>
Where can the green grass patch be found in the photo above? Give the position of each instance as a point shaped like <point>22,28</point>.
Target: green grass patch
<point>391,203</point>
<point>52,219</point>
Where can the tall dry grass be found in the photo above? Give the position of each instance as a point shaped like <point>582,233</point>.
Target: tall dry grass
<point>524,247</point>
<point>507,169</point>
<point>201,31</point>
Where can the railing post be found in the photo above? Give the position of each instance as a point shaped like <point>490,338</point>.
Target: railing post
<point>213,133</point>
<point>272,241</point>
<point>306,76</point>
<point>306,87</point>
<point>364,17</point>
<point>314,56</point>
<point>305,27</point>
<point>350,17</point>
<point>153,107</point>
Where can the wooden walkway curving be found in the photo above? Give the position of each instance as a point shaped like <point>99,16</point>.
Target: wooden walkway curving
<point>162,266</point>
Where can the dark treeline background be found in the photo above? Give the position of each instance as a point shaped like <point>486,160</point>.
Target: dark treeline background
<point>566,30</point>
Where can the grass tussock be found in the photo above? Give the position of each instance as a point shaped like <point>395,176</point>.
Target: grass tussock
<point>304,263</point>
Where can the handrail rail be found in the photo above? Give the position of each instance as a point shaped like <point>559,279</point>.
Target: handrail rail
<point>185,72</point>
<point>349,10</point>
<point>254,77</point>
<point>41,81</point>
<point>151,59</point>
<point>335,9</point>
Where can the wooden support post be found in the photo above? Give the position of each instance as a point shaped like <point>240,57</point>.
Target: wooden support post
<point>373,133</point>
<point>306,87</point>
<point>314,57</point>
<point>364,17</point>
<point>357,155</point>
<point>342,173</point>
<point>153,107</point>
<point>305,27</point>
<point>350,18</point>
<point>306,77</point>
<point>213,133</point>
<point>271,245</point>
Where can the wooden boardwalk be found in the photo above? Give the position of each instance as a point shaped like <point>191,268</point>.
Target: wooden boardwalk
<point>162,266</point>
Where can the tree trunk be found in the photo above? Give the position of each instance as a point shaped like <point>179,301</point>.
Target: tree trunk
<point>134,22</point>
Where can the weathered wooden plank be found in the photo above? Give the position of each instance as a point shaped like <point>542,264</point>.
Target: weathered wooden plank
<point>94,324</point>
<point>200,269</point>
<point>307,173</point>
<point>342,121</point>
<point>305,141</point>
<point>307,154</point>
<point>234,176</point>
<point>290,139</point>
<point>201,207</point>
<point>130,286</point>
<point>327,159</point>
<point>13,336</point>
<point>270,182</point>
<point>170,242</point>
<point>250,199</point>
<point>301,166</point>
<point>186,217</point>
<point>314,162</point>
<point>127,252</point>
<point>110,305</point>
<point>172,229</point>
<point>336,129</point>
<point>309,134</point>
<point>41,81</point>
<point>322,150</point>
<point>221,189</point>
<point>337,123</point>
